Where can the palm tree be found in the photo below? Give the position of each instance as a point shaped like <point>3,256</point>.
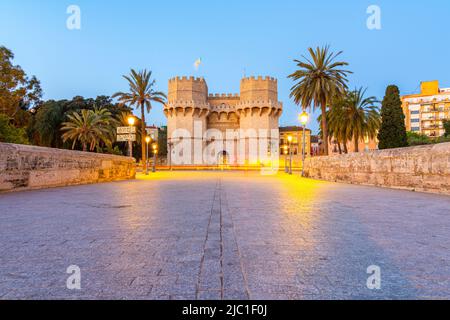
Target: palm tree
<point>336,125</point>
<point>90,127</point>
<point>318,80</point>
<point>141,95</point>
<point>363,115</point>
<point>354,117</point>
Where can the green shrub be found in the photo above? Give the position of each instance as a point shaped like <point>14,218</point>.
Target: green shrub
<point>11,134</point>
<point>417,139</point>
<point>447,128</point>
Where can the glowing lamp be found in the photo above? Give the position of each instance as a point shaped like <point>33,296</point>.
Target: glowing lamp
<point>304,117</point>
<point>131,121</point>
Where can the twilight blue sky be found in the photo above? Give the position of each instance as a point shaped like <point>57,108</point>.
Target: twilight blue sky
<point>260,37</point>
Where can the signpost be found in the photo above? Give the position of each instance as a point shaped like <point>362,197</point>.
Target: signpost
<point>126,137</point>
<point>126,130</point>
<point>127,134</point>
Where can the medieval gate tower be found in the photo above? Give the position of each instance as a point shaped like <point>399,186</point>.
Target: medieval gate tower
<point>196,118</point>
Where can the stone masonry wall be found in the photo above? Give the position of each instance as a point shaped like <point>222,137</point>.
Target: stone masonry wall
<point>29,167</point>
<point>421,168</point>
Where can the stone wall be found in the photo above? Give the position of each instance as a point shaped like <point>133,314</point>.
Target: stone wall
<point>29,167</point>
<point>421,168</point>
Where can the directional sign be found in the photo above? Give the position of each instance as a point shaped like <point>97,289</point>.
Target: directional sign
<point>126,137</point>
<point>126,130</point>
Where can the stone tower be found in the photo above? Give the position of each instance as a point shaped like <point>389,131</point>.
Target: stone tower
<point>187,106</point>
<point>259,110</point>
<point>253,116</point>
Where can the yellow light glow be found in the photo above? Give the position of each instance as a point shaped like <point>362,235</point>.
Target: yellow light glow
<point>290,138</point>
<point>131,121</point>
<point>148,139</point>
<point>304,117</point>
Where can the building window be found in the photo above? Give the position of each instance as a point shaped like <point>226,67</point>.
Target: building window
<point>415,129</point>
<point>415,112</point>
<point>415,120</point>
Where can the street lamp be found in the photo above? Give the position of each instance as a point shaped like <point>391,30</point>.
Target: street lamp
<point>304,117</point>
<point>155,151</point>
<point>147,140</point>
<point>131,121</point>
<point>290,153</point>
<point>285,159</point>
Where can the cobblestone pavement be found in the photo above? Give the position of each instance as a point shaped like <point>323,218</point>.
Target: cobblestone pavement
<point>212,235</point>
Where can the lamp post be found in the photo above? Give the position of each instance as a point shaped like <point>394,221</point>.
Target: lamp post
<point>290,154</point>
<point>304,117</point>
<point>131,121</point>
<point>155,151</point>
<point>147,140</point>
<point>285,158</point>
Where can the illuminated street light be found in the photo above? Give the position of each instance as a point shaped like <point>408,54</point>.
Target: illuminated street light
<point>304,118</point>
<point>131,121</point>
<point>155,152</point>
<point>147,140</point>
<point>286,170</point>
<point>290,153</point>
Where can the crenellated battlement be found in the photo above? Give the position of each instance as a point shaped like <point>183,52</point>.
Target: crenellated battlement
<point>188,88</point>
<point>186,79</point>
<point>259,78</point>
<point>259,88</point>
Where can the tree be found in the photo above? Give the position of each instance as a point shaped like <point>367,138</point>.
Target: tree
<point>446,124</point>
<point>141,94</point>
<point>89,127</point>
<point>362,116</point>
<point>353,117</point>
<point>46,119</point>
<point>17,91</point>
<point>393,130</point>
<point>11,134</point>
<point>318,80</point>
<point>417,139</point>
<point>162,141</point>
<point>46,123</point>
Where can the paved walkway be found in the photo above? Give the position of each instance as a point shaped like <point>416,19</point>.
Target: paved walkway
<point>210,235</point>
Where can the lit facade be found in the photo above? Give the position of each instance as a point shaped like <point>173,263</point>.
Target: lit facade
<point>296,145</point>
<point>425,112</point>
